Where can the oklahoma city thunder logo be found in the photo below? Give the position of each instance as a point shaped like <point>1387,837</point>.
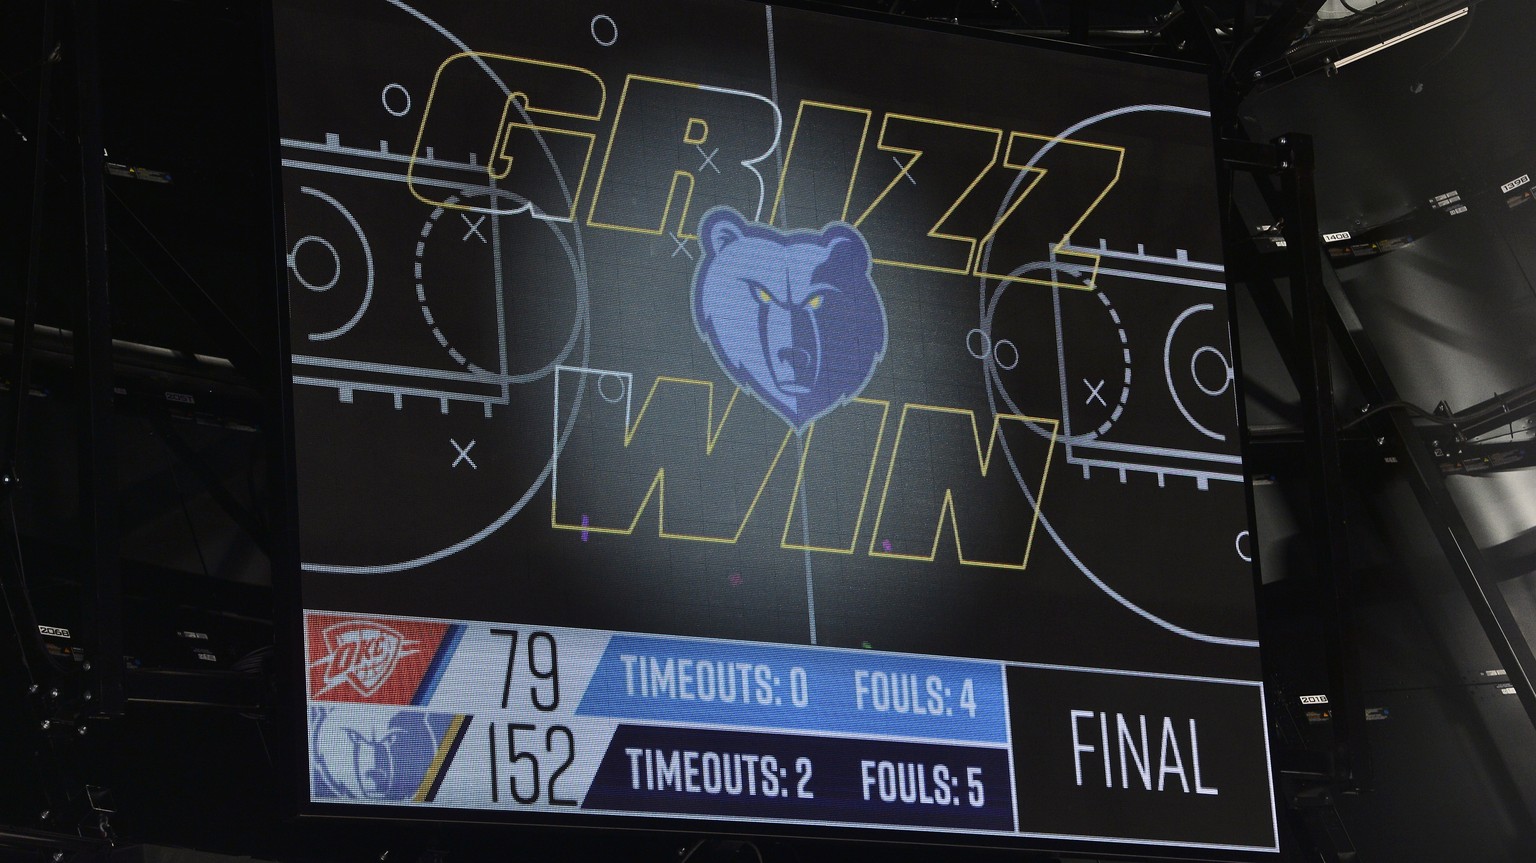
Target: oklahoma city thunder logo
<point>791,316</point>
<point>362,654</point>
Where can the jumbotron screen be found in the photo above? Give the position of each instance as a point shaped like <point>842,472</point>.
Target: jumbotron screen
<point>719,416</point>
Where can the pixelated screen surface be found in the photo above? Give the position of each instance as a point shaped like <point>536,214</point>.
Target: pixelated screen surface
<point>711,410</point>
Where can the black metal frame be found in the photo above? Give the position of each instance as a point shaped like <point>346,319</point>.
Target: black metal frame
<point>1300,332</point>
<point>100,577</point>
<point>63,696</point>
<point>1318,320</point>
<point>1475,576</point>
<point>72,703</point>
<point>1321,316</point>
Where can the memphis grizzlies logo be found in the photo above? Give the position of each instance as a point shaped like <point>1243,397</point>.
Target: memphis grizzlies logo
<point>791,316</point>
<point>361,753</point>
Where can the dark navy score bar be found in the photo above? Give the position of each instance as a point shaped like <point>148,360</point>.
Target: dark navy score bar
<point>804,778</point>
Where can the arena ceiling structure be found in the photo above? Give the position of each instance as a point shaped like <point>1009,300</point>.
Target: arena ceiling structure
<point>1373,161</point>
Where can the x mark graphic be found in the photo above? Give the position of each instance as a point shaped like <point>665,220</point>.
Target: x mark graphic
<point>464,454</point>
<point>1093,393</point>
<point>474,228</point>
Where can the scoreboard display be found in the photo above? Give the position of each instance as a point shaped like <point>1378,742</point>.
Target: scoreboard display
<point>729,417</point>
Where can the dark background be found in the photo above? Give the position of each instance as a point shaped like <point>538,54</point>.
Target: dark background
<point>194,765</point>
<point>355,471</point>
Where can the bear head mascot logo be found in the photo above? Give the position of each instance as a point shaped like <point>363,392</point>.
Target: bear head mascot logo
<point>358,754</point>
<point>791,316</point>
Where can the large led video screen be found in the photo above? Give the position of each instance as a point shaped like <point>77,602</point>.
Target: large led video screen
<point>719,416</point>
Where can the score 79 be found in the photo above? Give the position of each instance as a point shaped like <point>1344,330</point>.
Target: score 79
<point>545,696</point>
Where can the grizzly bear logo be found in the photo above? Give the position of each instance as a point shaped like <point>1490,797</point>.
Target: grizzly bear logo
<point>360,754</point>
<point>791,316</point>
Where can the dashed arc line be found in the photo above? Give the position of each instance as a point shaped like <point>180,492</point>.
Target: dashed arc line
<point>421,291</point>
<point>1125,352</point>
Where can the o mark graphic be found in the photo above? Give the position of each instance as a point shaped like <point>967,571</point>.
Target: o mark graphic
<point>404,94</point>
<point>603,25</point>
<point>986,344</point>
<point>602,388</point>
<point>997,354</point>
<point>1242,535</point>
<point>994,349</point>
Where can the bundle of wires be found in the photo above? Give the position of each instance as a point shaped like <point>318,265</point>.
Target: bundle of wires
<point>1372,24</point>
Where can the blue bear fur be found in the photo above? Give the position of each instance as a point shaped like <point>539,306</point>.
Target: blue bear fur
<point>793,317</point>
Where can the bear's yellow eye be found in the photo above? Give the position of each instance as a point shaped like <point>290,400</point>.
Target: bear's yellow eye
<point>763,296</point>
<point>814,303</point>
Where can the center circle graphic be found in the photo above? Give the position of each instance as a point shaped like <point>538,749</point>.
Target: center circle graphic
<point>1226,371</point>
<point>293,264</point>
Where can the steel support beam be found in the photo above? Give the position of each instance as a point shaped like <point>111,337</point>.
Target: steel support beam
<point>1077,21</point>
<point>130,236</point>
<point>34,653</point>
<point>1205,22</point>
<point>1301,334</point>
<point>1476,578</point>
<point>1244,262</point>
<point>26,310</point>
<point>1310,354</point>
<point>93,375</point>
<point>248,520</point>
<point>1272,39</point>
<point>1506,409</point>
<point>134,238</point>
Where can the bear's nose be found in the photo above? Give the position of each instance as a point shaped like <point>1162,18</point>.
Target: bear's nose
<point>798,359</point>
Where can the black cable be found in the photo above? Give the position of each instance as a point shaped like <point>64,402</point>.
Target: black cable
<point>1389,26</point>
<point>1017,12</point>
<point>1378,9</point>
<point>1397,405</point>
<point>53,57</point>
<point>26,628</point>
<point>1344,30</point>
<point>187,514</point>
<point>255,661</point>
<point>1381,15</point>
<point>15,127</point>
<point>17,626</point>
<point>1390,21</point>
